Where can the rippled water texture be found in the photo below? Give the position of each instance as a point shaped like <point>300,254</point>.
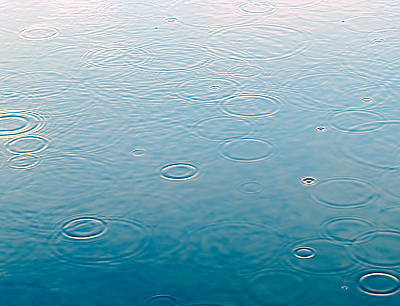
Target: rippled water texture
<point>199,152</point>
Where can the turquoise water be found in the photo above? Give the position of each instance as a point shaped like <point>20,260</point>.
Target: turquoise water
<point>199,152</point>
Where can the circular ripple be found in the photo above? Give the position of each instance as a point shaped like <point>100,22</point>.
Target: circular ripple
<point>320,129</point>
<point>250,187</point>
<point>119,10</point>
<point>247,149</point>
<point>278,287</point>
<point>368,24</point>
<point>379,284</point>
<point>161,299</point>
<point>304,252</point>
<point>391,184</point>
<point>38,33</point>
<point>273,42</point>
<point>84,228</point>
<point>344,192</point>
<point>208,90</point>
<point>382,248</point>
<point>257,8</point>
<point>24,161</point>
<point>15,123</point>
<point>179,172</point>
<point>232,246</point>
<point>309,180</point>
<point>171,20</point>
<point>94,241</point>
<point>27,144</point>
<point>138,152</point>
<point>318,256</point>
<point>251,106</point>
<point>344,230</point>
<point>223,128</point>
<point>116,56</point>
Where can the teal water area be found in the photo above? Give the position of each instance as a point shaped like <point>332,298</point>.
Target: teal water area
<point>199,152</point>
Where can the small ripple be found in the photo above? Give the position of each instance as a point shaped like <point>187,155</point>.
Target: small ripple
<point>138,152</point>
<point>160,299</point>
<point>96,241</point>
<point>304,252</point>
<point>273,42</point>
<point>354,121</point>
<point>84,228</point>
<point>318,256</point>
<point>309,180</point>
<point>344,230</point>
<point>223,128</point>
<point>257,8</point>
<point>251,106</point>
<point>179,171</point>
<point>15,123</point>
<point>368,24</point>
<point>391,181</point>
<point>321,129</point>
<point>214,302</point>
<point>232,245</point>
<point>27,144</point>
<point>381,248</point>
<point>208,90</point>
<point>250,187</point>
<point>119,10</point>
<point>235,68</point>
<point>379,284</point>
<point>279,287</point>
<point>24,161</point>
<point>297,3</point>
<point>38,33</point>
<point>247,149</point>
<point>171,20</point>
<point>344,192</point>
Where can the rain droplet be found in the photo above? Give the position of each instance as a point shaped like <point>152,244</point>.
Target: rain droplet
<point>309,180</point>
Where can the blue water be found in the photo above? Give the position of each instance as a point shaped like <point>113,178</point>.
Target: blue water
<point>199,152</point>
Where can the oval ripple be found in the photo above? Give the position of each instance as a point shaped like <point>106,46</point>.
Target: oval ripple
<point>179,171</point>
<point>17,123</point>
<point>38,33</point>
<point>24,161</point>
<point>251,106</point>
<point>379,284</point>
<point>247,149</point>
<point>27,144</point>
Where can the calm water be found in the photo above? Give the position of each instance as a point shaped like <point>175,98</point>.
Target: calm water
<point>199,152</point>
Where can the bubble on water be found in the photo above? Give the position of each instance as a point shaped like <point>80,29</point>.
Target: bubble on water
<point>38,33</point>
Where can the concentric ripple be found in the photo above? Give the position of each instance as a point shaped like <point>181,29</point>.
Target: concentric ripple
<point>236,68</point>
<point>344,192</point>
<point>354,121</point>
<point>27,144</point>
<point>250,187</point>
<point>208,90</point>
<point>257,8</point>
<point>96,241</point>
<point>382,248</point>
<point>38,33</point>
<point>160,299</point>
<point>379,284</point>
<point>344,230</point>
<point>318,256</point>
<point>24,161</point>
<point>223,128</point>
<point>179,171</point>
<point>84,228</point>
<point>273,42</point>
<point>309,180</point>
<point>251,106</point>
<point>279,287</point>
<point>15,123</point>
<point>247,149</point>
<point>232,246</point>
<point>117,10</point>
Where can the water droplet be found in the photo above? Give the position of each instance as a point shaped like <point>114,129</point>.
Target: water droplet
<point>251,106</point>
<point>344,193</point>
<point>304,252</point>
<point>345,287</point>
<point>247,149</point>
<point>367,100</point>
<point>27,144</point>
<point>379,40</point>
<point>379,284</point>
<point>179,171</point>
<point>38,33</point>
<point>138,152</point>
<point>214,87</point>
<point>309,180</point>
<point>321,129</point>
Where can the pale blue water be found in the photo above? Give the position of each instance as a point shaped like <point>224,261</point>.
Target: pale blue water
<point>199,152</point>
